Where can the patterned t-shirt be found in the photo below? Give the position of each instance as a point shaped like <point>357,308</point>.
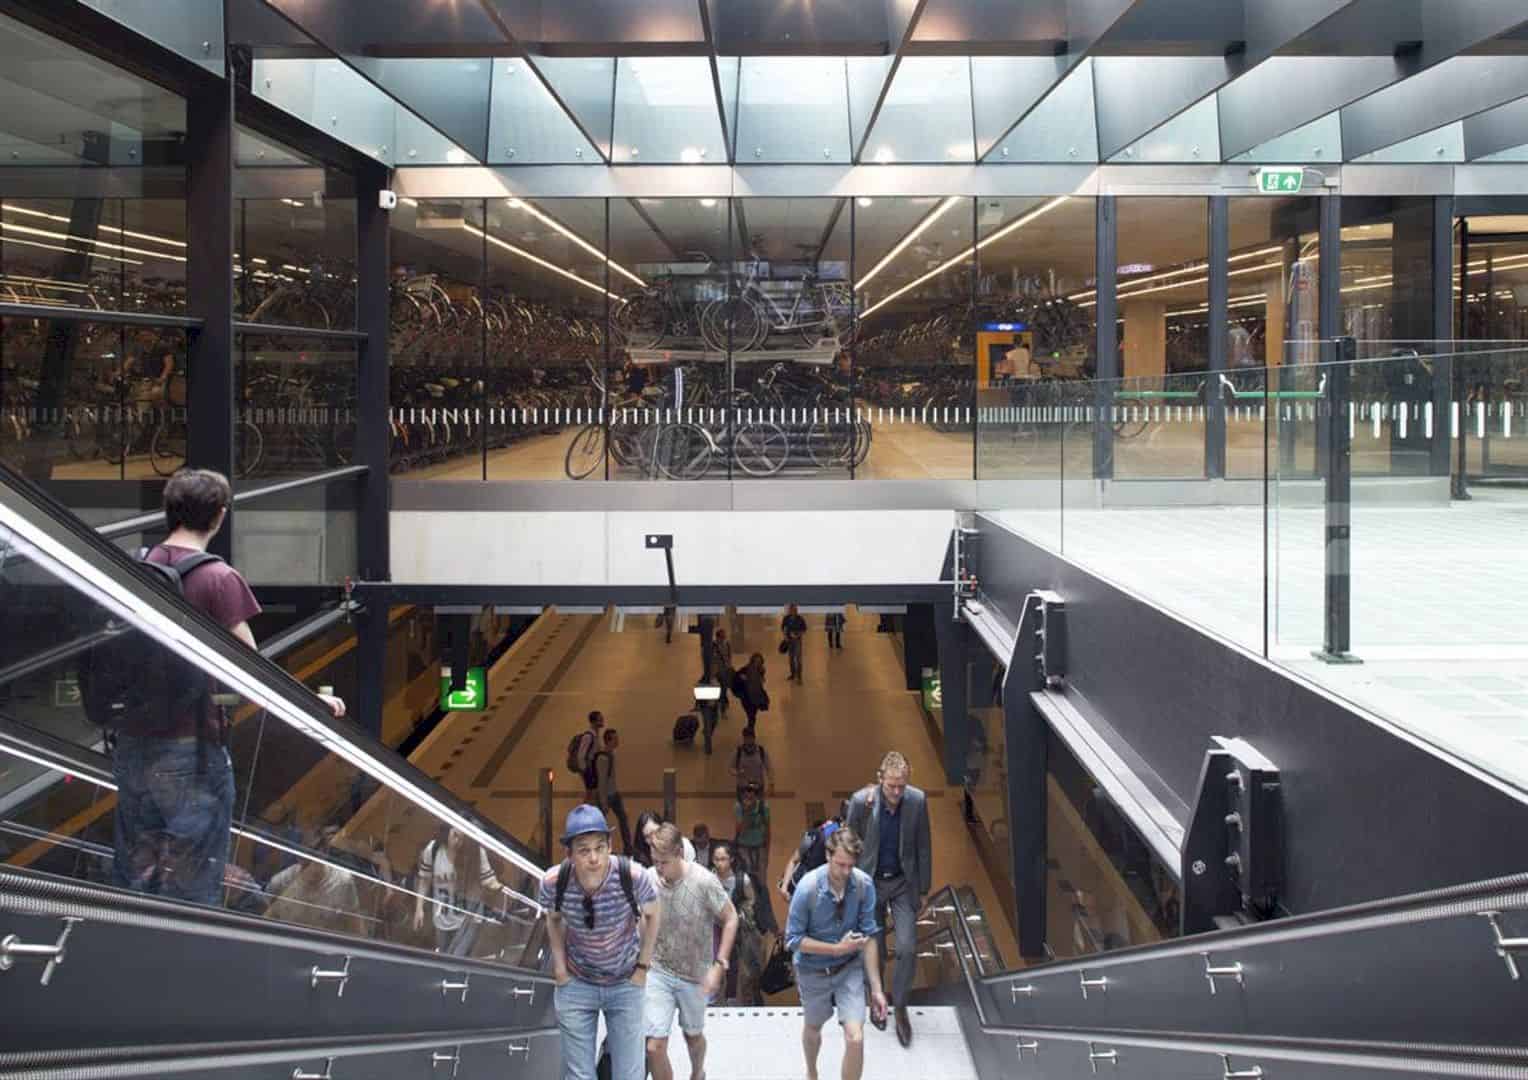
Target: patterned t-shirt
<point>607,953</point>
<point>690,910</point>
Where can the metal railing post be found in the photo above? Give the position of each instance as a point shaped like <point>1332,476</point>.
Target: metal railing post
<point>1338,608</point>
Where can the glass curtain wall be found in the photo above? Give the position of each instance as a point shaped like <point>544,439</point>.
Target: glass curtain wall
<point>1491,316</point>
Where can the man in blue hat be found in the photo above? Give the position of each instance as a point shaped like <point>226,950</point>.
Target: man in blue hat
<point>602,922</point>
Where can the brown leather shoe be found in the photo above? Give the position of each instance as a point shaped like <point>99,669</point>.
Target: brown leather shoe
<point>904,1026</point>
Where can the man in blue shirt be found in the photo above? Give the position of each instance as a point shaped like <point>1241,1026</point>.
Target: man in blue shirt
<point>832,919</point>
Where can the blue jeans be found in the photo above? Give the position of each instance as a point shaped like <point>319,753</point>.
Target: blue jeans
<point>579,1005</point>
<point>174,812</point>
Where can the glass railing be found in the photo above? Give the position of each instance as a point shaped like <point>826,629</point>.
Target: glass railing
<point>1364,509</point>
<point>144,747</point>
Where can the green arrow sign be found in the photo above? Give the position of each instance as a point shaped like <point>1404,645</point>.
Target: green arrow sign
<point>1272,181</point>
<point>471,698</point>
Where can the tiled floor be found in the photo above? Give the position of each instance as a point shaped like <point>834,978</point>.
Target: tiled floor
<point>1439,594</point>
<point>765,1044</point>
<point>825,736</point>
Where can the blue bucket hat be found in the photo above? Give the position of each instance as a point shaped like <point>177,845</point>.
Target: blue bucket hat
<point>584,819</point>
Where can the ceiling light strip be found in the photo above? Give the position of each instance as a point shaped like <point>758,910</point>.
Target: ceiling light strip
<point>28,230</point>
<point>1191,268</point>
<point>918,230</point>
<point>13,208</point>
<point>966,254</point>
<point>553,223</point>
<point>513,250</point>
<point>9,240</point>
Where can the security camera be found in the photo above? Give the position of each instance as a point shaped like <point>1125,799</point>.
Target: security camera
<point>387,200</point>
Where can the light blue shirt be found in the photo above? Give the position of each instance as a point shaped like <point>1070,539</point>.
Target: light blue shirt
<point>814,914</point>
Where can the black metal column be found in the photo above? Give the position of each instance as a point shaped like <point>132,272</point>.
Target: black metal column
<point>371,624</point>
<point>954,657</point>
<point>1219,314</point>
<point>1026,743</point>
<point>209,287</point>
<point>1329,325</point>
<point>920,644</point>
<point>1460,487</point>
<point>1106,366</point>
<point>372,313</point>
<point>1443,331</point>
<point>1338,610</point>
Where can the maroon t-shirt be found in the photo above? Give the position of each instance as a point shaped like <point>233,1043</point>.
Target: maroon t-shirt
<point>222,593</point>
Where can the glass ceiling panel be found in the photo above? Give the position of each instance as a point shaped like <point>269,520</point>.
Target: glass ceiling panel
<point>1191,136</point>
<point>1444,144</point>
<point>1320,140</point>
<point>926,116</point>
<point>448,93</point>
<point>1004,87</point>
<point>333,97</point>
<point>865,76</point>
<point>665,112</point>
<point>1061,128</point>
<point>190,28</point>
<point>793,109</point>
<point>528,127</point>
<point>586,85</point>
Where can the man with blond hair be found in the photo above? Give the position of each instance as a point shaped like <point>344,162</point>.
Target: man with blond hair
<point>892,816</point>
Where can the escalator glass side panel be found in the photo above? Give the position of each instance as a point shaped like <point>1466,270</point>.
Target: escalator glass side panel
<point>143,748</point>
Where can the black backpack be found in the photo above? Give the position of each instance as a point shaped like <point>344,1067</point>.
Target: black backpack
<point>622,869</point>
<point>131,683</point>
<point>816,855</point>
<point>577,763</point>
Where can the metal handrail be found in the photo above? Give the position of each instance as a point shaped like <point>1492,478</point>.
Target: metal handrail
<point>70,313</point>
<point>277,330</point>
<point>149,521</point>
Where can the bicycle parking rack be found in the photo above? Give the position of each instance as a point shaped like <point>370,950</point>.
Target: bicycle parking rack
<point>820,354</point>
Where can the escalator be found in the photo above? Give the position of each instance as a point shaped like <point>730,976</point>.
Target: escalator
<point>310,959</point>
<point>310,964</point>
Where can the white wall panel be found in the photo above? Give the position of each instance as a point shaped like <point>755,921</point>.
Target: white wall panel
<point>713,548</point>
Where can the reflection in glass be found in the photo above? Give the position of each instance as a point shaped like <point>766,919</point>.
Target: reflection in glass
<point>666,112</point>
<point>926,113</point>
<point>793,109</point>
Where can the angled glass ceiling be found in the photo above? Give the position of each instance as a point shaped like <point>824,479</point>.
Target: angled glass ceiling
<point>666,112</point>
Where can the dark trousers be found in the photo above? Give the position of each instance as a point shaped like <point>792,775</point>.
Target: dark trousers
<point>617,806</point>
<point>897,897</point>
<point>794,652</point>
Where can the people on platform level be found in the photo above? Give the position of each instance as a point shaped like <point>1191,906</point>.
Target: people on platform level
<point>602,924</point>
<point>174,777</point>
<point>793,630</point>
<point>756,922</point>
<point>688,965</point>
<point>606,789</point>
<point>705,630</point>
<point>721,663</point>
<point>316,892</point>
<point>751,690</point>
<point>751,765</point>
<point>810,853</point>
<point>454,872</point>
<point>581,753</point>
<point>832,920</point>
<point>648,823</point>
<point>892,816</point>
<point>752,814</point>
<point>700,840</point>
<point>834,624</point>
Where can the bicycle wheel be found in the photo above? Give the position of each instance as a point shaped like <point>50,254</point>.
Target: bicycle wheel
<point>586,452</point>
<point>861,443</point>
<point>167,450</point>
<point>683,452</point>
<point>829,443</point>
<point>642,321</point>
<point>761,449</point>
<point>734,323</point>
<point>248,448</point>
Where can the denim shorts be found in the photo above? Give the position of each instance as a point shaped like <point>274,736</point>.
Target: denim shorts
<point>666,993</point>
<point>821,992</point>
<point>174,809</point>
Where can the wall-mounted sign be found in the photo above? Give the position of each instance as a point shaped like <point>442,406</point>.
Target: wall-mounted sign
<point>471,698</point>
<point>1004,327</point>
<point>1280,181</point>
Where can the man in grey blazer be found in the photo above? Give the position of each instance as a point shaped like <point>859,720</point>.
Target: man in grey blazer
<point>892,816</point>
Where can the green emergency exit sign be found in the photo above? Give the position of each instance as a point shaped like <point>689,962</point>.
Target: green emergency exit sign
<point>471,698</point>
<point>1280,181</point>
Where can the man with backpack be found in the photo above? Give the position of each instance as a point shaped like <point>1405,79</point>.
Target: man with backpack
<point>168,738</point>
<point>601,928</point>
<point>750,765</point>
<point>811,853</point>
<point>581,750</point>
<point>609,794</point>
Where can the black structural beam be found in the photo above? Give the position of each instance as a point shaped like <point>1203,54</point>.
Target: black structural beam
<point>210,135</point>
<point>370,592</point>
<point>1220,298</point>
<point>955,654</point>
<point>1337,639</point>
<point>1443,333</point>
<point>1107,369</point>
<point>1027,745</point>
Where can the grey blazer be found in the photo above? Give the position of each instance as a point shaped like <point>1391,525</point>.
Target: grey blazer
<point>916,853</point>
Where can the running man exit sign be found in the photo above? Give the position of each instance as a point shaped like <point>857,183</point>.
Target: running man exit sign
<point>1271,181</point>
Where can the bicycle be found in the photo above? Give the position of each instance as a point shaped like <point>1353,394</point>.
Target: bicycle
<point>818,310</point>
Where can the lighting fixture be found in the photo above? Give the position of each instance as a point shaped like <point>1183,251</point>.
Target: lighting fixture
<point>98,584</point>
<point>559,227</point>
<point>513,250</point>
<point>1186,269</point>
<point>28,230</point>
<point>1017,223</point>
<point>456,157</point>
<point>14,209</point>
<point>709,204</point>
<point>864,201</point>
<point>690,156</point>
<point>918,230</point>
<point>884,156</point>
<point>73,251</point>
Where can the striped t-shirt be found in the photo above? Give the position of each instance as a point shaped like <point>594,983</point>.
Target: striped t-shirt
<point>606,954</point>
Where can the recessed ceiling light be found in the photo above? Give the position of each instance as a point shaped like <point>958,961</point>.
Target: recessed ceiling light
<point>864,200</point>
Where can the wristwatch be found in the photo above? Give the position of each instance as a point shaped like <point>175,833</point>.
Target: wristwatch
<point>723,962</point>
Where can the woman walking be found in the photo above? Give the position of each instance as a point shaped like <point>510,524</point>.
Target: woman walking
<point>755,920</point>
<point>755,697</point>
